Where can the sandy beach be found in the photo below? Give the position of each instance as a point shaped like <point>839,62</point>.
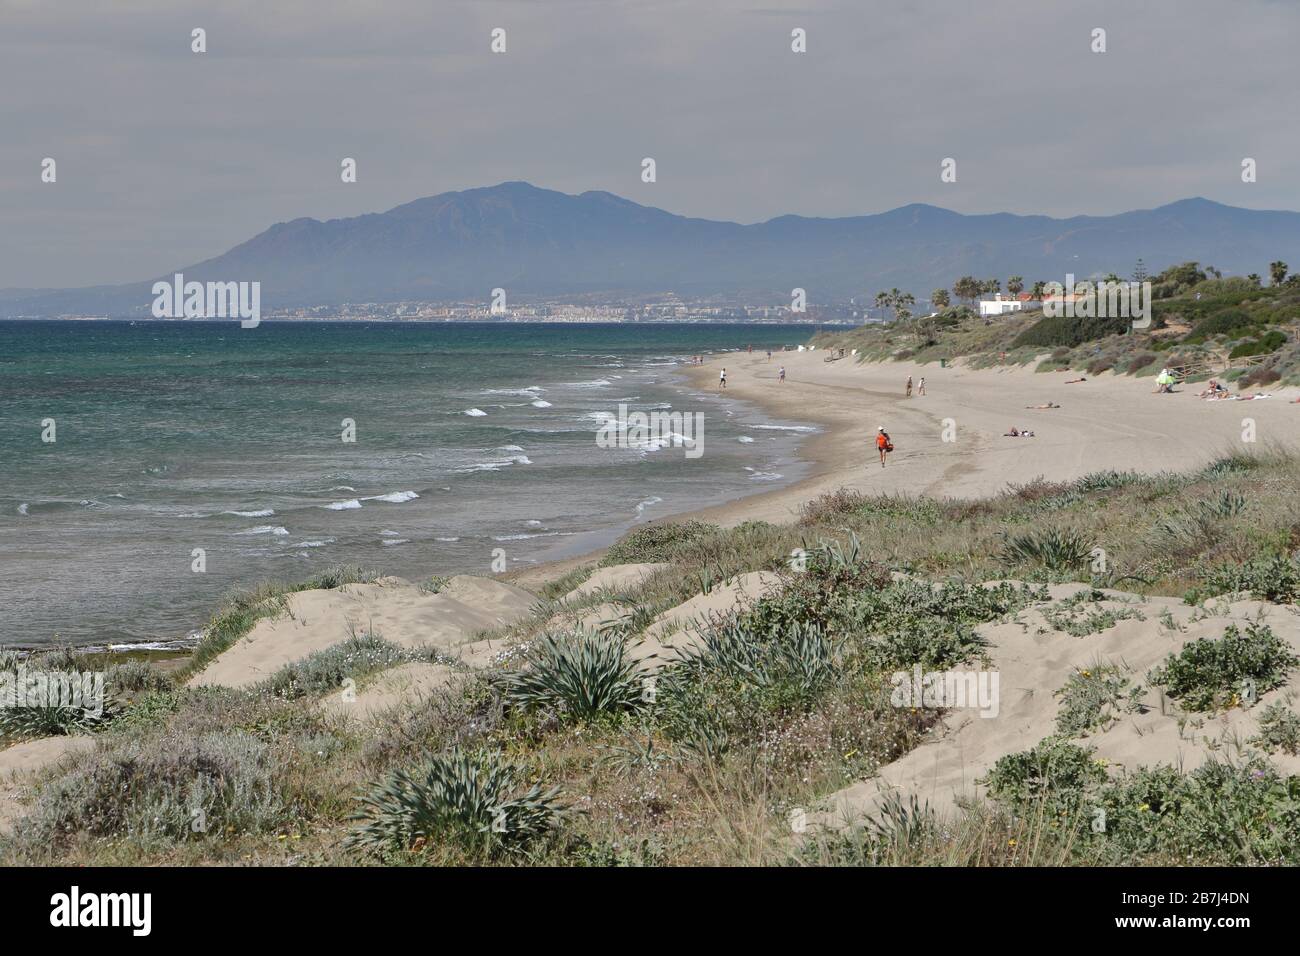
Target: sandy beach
<point>1106,422</point>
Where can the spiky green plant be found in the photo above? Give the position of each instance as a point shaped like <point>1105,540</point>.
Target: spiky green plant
<point>581,676</point>
<point>1056,549</point>
<point>469,800</point>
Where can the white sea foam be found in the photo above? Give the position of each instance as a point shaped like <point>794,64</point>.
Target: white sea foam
<point>788,428</point>
<point>746,439</point>
<point>498,464</point>
<point>266,529</point>
<point>474,412</point>
<point>264,513</point>
<point>538,534</point>
<point>765,476</point>
<point>394,497</point>
<point>529,391</point>
<point>642,505</point>
<point>446,539</point>
<point>388,541</point>
<point>314,544</point>
<point>349,505</point>
<point>22,508</point>
<point>541,404</point>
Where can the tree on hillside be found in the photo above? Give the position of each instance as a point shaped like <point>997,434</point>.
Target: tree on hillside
<point>884,300</point>
<point>1039,289</point>
<point>1277,271</point>
<point>939,298</point>
<point>1253,278</point>
<point>1016,285</point>
<point>968,288</point>
<point>992,285</point>
<point>1140,273</point>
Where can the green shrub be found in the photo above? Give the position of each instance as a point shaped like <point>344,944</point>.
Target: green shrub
<point>163,788</point>
<point>1095,697</point>
<point>1270,341</point>
<point>1063,330</point>
<point>325,670</point>
<point>467,800</point>
<point>1279,729</point>
<point>1275,578</point>
<point>1078,616</point>
<point>1230,322</point>
<point>1054,776</point>
<point>579,676</point>
<point>1236,815</point>
<point>1210,673</point>
<point>656,542</point>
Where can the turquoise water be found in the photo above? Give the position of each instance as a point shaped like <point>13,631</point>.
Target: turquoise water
<point>176,436</point>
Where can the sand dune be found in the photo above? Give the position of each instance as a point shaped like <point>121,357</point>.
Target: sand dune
<point>619,577</point>
<point>1034,660</point>
<point>391,608</point>
<point>678,629</point>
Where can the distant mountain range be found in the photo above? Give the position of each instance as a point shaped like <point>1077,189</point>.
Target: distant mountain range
<point>538,242</point>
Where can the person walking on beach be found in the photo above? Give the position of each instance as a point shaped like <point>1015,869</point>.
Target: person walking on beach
<point>909,386</point>
<point>722,379</point>
<point>883,444</point>
<point>920,387</point>
<point>780,375</point>
<point>769,355</point>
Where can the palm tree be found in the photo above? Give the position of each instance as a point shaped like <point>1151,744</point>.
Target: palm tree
<point>992,285</point>
<point>939,299</point>
<point>1277,271</point>
<point>968,288</point>
<point>884,300</point>
<point>1039,289</point>
<point>1016,285</point>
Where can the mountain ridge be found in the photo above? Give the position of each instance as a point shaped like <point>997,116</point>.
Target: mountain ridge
<point>537,242</point>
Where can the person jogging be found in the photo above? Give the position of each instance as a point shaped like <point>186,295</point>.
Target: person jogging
<point>722,379</point>
<point>883,444</point>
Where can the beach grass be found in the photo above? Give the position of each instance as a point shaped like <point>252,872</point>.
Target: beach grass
<point>776,707</point>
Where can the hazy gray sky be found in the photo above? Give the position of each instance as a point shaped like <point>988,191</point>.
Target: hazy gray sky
<point>166,157</point>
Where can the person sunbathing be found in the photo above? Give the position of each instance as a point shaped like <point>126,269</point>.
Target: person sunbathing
<point>1018,433</point>
<point>1048,405</point>
<point>1073,381</point>
<point>1215,390</point>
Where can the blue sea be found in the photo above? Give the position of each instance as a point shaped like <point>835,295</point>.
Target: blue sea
<point>176,437</point>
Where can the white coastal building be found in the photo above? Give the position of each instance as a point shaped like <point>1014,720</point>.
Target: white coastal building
<point>1000,305</point>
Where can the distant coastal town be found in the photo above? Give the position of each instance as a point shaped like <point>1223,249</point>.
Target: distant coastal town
<point>665,308</point>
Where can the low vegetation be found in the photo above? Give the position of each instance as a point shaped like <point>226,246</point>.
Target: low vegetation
<point>566,752</point>
<point>1238,329</point>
